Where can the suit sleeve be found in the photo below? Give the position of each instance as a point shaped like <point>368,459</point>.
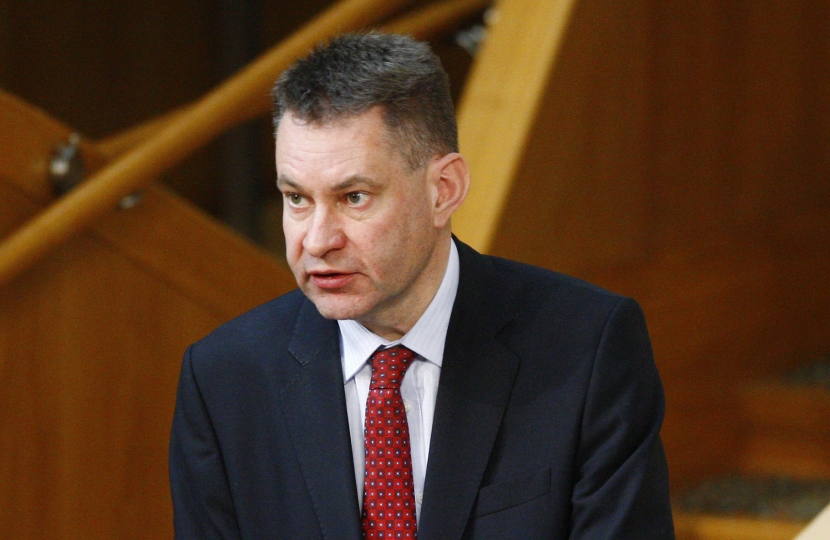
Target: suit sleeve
<point>621,489</point>
<point>202,504</point>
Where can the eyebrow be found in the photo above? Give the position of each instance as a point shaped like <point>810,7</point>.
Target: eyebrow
<point>286,181</point>
<point>342,186</point>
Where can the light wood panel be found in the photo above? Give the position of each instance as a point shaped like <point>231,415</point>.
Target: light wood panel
<point>579,198</point>
<point>160,217</point>
<point>500,103</point>
<point>28,138</point>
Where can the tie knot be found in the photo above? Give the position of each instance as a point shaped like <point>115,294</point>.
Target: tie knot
<point>389,366</point>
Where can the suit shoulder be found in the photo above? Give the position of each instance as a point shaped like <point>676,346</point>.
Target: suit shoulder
<point>531,293</point>
<point>542,284</point>
<point>266,325</point>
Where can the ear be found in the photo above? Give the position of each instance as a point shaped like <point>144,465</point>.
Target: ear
<point>450,179</point>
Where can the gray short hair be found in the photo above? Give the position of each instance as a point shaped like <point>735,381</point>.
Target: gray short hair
<point>356,72</point>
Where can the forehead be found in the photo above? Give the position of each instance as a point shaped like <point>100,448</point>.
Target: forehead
<point>354,145</point>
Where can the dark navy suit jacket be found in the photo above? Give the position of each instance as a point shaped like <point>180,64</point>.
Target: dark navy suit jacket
<point>546,426</point>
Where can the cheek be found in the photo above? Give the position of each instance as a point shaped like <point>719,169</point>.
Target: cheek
<point>293,239</point>
<point>392,246</point>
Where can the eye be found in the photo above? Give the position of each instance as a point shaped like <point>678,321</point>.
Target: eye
<point>356,198</point>
<point>295,199</point>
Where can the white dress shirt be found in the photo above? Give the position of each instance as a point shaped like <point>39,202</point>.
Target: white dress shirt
<point>420,384</point>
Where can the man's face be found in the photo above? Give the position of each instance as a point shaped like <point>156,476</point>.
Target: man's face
<point>360,231</point>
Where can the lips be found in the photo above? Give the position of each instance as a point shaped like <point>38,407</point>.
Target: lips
<point>330,280</point>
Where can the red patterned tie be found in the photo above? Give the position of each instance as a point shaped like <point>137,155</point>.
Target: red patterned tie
<point>388,492</point>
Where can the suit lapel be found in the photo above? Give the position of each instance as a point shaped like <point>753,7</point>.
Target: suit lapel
<point>476,378</point>
<point>315,411</point>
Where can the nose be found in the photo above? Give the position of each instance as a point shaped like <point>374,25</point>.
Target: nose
<point>324,234</point>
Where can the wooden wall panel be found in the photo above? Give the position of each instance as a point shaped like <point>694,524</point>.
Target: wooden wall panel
<point>90,346</point>
<point>102,66</point>
<point>682,156</point>
<point>89,363</point>
<point>578,198</point>
<point>500,104</point>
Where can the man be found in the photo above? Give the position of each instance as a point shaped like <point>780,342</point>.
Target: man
<point>411,387</point>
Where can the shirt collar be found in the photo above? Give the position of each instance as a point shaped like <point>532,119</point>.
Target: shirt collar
<point>426,338</point>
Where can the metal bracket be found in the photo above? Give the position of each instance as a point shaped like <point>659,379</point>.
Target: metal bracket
<point>471,38</point>
<point>66,169</point>
<point>130,200</point>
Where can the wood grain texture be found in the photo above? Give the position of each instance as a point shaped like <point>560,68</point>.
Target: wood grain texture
<point>499,105</point>
<point>90,346</point>
<point>680,155</point>
<point>89,356</point>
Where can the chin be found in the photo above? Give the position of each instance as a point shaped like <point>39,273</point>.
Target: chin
<point>340,307</point>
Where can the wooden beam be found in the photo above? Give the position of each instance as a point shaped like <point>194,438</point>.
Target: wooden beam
<point>426,23</point>
<point>235,101</point>
<point>115,145</point>
<point>149,234</point>
<point>436,19</point>
<point>499,106</point>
